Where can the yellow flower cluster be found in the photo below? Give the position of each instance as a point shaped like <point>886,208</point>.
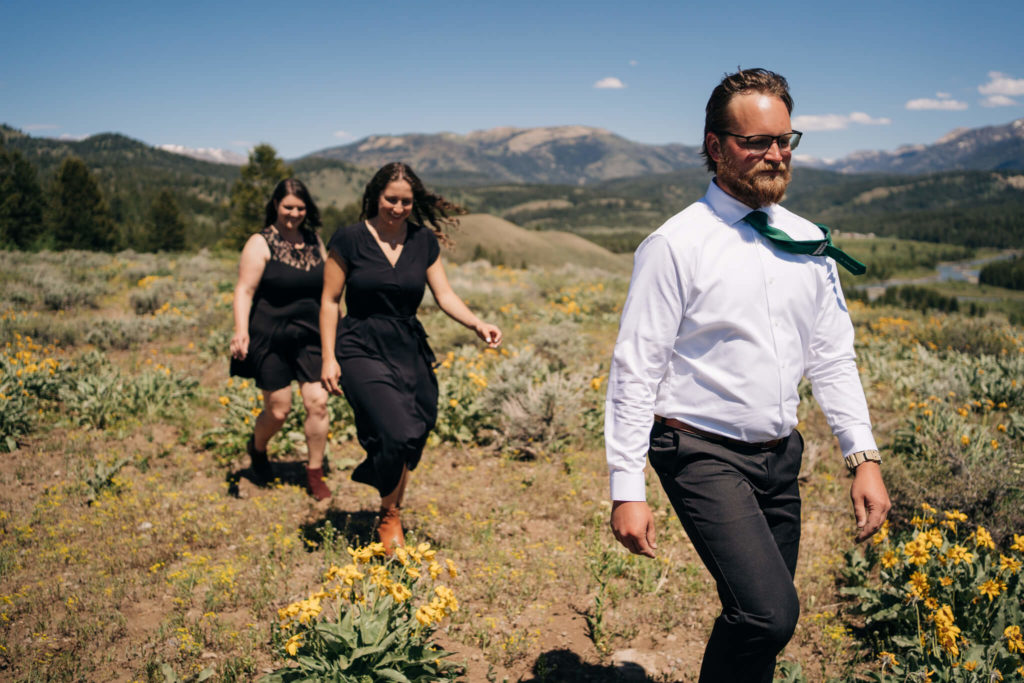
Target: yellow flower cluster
<point>443,604</point>
<point>946,631</point>
<point>363,581</point>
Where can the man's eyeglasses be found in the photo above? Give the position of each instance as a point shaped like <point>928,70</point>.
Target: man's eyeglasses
<point>762,143</point>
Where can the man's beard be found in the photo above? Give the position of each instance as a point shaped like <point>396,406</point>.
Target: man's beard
<point>755,188</point>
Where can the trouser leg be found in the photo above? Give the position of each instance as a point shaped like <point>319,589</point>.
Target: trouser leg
<point>742,513</point>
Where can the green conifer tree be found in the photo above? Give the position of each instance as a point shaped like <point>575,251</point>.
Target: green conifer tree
<point>21,201</point>
<point>251,191</point>
<point>81,217</point>
<point>168,227</point>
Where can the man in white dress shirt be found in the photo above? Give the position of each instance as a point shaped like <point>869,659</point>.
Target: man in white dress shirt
<point>718,329</point>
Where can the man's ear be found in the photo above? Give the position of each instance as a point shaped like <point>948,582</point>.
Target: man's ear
<point>714,146</point>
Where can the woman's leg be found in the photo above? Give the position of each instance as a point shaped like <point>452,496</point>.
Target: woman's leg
<point>394,499</point>
<point>314,398</point>
<point>276,405</point>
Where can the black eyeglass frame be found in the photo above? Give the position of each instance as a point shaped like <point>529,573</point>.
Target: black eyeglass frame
<point>794,140</point>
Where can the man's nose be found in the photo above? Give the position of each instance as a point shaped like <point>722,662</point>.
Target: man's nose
<point>774,152</point>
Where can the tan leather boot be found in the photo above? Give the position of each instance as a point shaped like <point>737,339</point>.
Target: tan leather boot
<point>390,529</point>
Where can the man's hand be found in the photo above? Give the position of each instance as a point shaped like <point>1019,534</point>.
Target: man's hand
<point>870,499</point>
<point>633,526</point>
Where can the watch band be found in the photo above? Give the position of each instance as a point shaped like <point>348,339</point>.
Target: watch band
<point>860,457</point>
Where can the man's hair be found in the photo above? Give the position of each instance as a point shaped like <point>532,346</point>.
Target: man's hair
<point>716,114</point>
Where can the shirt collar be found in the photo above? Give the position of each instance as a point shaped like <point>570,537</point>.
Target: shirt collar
<point>730,209</point>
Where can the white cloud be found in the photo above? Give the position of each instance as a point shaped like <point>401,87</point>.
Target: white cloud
<point>819,122</point>
<point>998,101</point>
<point>71,138</point>
<point>866,120</point>
<point>942,103</point>
<point>609,83</point>
<point>1002,84</point>
<point>40,126</point>
<point>633,62</point>
<point>943,95</point>
<point>343,134</point>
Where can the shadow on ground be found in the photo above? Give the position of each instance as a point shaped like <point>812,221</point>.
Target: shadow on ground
<point>565,666</point>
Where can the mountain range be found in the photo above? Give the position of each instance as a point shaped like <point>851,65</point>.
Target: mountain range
<point>560,154</point>
<point>990,148</point>
<point>577,155</point>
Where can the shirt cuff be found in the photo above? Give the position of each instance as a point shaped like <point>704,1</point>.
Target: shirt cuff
<point>855,440</point>
<point>628,486</point>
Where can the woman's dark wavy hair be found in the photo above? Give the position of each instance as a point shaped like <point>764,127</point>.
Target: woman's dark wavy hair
<point>427,208</point>
<point>716,113</point>
<point>294,187</point>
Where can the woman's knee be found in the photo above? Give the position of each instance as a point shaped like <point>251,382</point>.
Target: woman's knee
<point>315,403</point>
<point>277,404</point>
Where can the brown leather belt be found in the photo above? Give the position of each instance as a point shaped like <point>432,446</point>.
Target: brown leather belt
<point>715,438</point>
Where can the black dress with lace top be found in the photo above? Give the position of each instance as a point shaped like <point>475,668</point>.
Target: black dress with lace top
<point>386,364</point>
<point>284,321</point>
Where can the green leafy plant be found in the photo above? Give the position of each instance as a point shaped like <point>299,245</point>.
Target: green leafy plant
<point>371,621</point>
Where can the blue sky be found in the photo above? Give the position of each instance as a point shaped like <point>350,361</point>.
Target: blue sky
<point>865,75</point>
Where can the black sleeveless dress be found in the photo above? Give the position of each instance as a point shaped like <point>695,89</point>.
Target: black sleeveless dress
<point>386,364</point>
<point>284,322</point>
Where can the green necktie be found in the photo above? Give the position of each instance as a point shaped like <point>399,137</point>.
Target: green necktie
<point>759,219</point>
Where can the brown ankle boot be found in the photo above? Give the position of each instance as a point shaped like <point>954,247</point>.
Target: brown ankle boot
<point>317,485</point>
<point>390,529</point>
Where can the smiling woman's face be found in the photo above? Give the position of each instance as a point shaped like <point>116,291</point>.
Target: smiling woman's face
<point>395,203</point>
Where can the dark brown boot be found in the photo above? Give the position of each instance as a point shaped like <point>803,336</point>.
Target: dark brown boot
<point>259,462</point>
<point>317,485</point>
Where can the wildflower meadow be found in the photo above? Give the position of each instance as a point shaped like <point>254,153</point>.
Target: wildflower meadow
<point>135,545</point>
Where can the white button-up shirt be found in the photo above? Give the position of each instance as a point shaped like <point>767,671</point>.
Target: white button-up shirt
<point>718,328</point>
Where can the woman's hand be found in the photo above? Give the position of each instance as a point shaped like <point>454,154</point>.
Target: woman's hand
<point>330,376</point>
<point>240,345</point>
<point>489,333</point>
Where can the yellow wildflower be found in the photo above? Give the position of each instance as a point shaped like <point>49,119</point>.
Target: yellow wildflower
<point>890,559</point>
<point>918,586</point>
<point>887,659</point>
<point>1010,564</point>
<point>992,588</point>
<point>399,593</point>
<point>1014,641</point>
<point>292,646</point>
<point>1018,543</point>
<point>984,539</point>
<point>916,552</point>
<point>957,554</point>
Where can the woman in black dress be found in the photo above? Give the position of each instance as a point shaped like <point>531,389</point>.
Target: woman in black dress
<point>277,315</point>
<point>382,362</point>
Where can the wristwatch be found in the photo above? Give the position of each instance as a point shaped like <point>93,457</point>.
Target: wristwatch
<point>860,457</point>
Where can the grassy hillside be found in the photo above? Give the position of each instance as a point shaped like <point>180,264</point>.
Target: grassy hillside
<point>504,243</point>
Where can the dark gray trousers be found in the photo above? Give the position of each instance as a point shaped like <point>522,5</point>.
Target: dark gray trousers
<point>740,507</point>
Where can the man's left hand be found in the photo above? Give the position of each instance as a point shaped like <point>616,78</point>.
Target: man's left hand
<point>870,499</point>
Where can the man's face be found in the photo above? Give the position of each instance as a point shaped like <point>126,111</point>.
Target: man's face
<point>755,178</point>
